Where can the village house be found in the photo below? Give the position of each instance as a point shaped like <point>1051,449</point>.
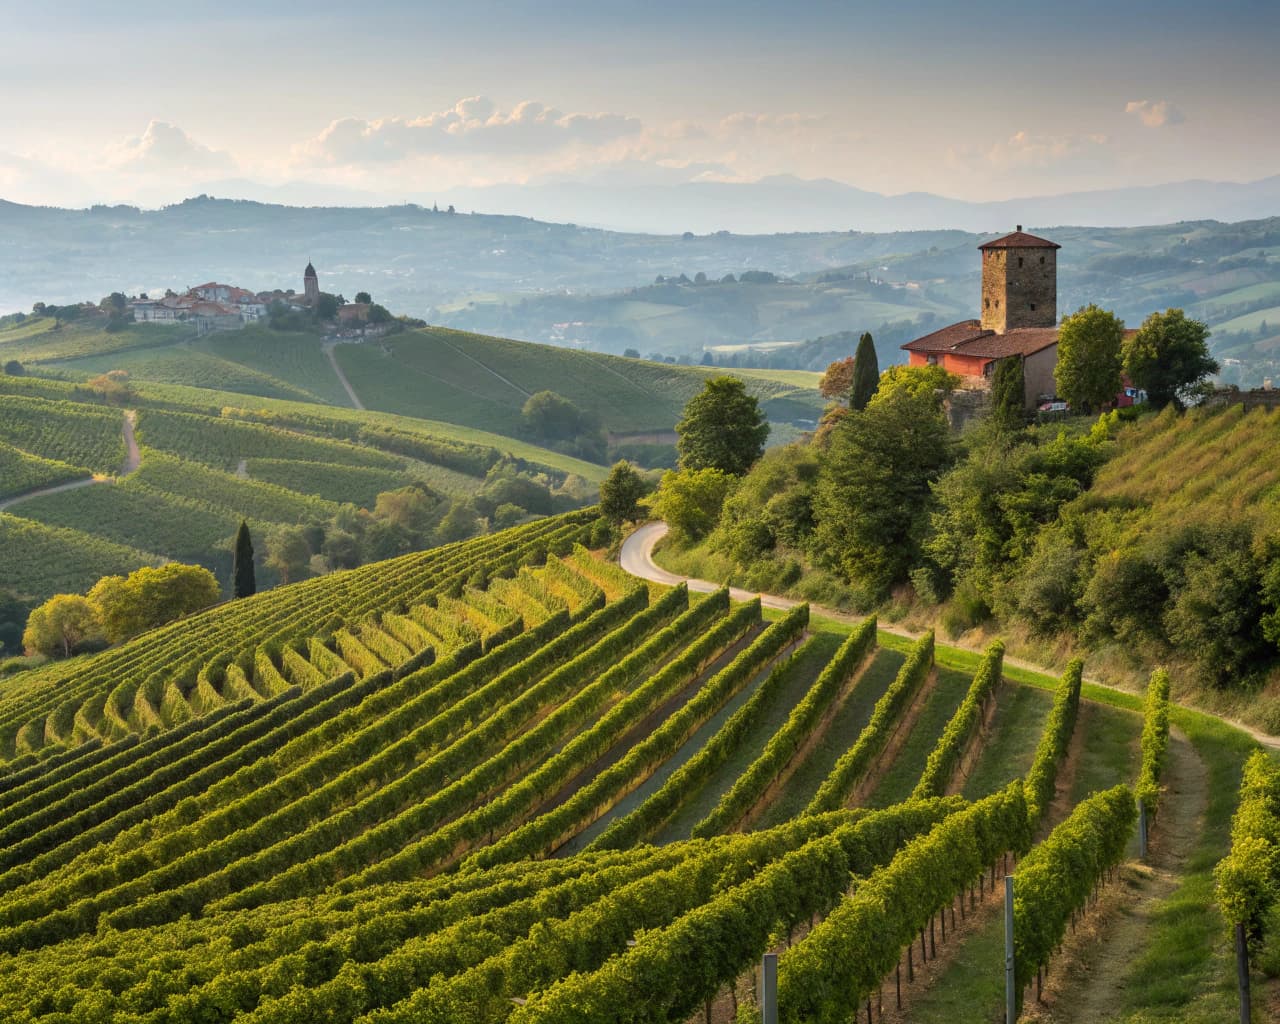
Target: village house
<point>1019,317</point>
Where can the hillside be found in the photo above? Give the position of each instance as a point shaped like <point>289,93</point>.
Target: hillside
<point>1225,274</point>
<point>426,789</point>
<point>436,374</point>
<point>77,501</point>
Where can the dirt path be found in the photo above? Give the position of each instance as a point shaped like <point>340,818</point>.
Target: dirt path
<point>242,469</point>
<point>132,460</point>
<point>132,457</point>
<point>636,558</point>
<point>328,348</point>
<point>1088,976</point>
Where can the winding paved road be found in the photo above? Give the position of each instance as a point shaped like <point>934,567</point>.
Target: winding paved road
<point>636,557</point>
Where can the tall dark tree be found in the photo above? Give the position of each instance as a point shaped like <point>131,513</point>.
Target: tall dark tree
<point>866,373</point>
<point>722,428</point>
<point>1008,395</point>
<point>244,582</point>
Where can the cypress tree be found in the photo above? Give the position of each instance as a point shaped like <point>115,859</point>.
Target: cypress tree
<point>1008,402</point>
<point>866,373</point>
<point>243,581</point>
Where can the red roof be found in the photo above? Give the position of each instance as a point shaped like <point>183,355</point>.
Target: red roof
<point>948,339</point>
<point>1020,341</point>
<point>1020,240</point>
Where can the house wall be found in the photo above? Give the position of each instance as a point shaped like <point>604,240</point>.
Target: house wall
<point>965,366</point>
<point>1037,375</point>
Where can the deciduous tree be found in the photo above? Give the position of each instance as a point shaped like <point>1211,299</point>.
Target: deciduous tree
<point>1089,362</point>
<point>722,428</point>
<point>1169,357</point>
<point>61,626</point>
<point>689,500</point>
<point>621,492</point>
<point>873,492</point>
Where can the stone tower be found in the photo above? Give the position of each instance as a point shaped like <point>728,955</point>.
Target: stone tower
<point>310,284</point>
<point>1019,282</point>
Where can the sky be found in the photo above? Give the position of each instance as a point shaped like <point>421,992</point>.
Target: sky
<point>391,100</point>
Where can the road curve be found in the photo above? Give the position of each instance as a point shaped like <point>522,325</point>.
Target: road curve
<point>636,557</point>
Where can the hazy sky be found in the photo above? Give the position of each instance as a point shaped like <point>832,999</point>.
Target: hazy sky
<point>150,102</point>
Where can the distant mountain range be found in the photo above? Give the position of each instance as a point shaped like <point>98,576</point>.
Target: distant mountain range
<point>787,204</point>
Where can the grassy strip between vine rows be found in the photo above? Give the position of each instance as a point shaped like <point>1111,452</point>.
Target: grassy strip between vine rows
<point>858,759</point>
<point>945,757</point>
<point>787,741</point>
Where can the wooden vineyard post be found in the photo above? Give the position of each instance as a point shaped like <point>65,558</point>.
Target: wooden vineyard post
<point>1242,974</point>
<point>1142,830</point>
<point>1010,983</point>
<point>769,989</point>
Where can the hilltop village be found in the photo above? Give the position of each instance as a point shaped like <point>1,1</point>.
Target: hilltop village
<point>224,307</point>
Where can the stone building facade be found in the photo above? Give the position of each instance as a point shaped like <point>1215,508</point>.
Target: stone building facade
<point>1019,282</point>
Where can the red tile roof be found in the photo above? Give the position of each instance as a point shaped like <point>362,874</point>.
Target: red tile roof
<point>1020,240</point>
<point>948,339</point>
<point>1020,341</point>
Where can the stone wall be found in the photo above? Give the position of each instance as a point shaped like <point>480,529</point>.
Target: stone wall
<point>1019,288</point>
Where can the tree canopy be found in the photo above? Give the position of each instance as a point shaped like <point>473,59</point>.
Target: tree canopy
<point>1089,363</point>
<point>1008,395</point>
<point>621,492</point>
<point>874,484</point>
<point>689,500</point>
<point>722,428</point>
<point>62,626</point>
<point>1169,357</point>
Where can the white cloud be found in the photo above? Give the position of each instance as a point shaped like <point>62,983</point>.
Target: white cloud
<point>1024,151</point>
<point>1155,113</point>
<point>473,126</point>
<point>166,148</point>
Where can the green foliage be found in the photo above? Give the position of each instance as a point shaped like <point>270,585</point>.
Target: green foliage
<point>1057,877</point>
<point>1008,395</point>
<point>854,763</point>
<point>1155,740</point>
<point>771,508</point>
<point>825,977</point>
<point>690,500</point>
<point>20,472</point>
<point>1248,878</point>
<point>866,374</point>
<point>243,574</point>
<point>150,597</point>
<point>620,493</point>
<point>66,432</point>
<point>946,756</point>
<point>1089,358</point>
<point>64,625</point>
<point>784,744</point>
<point>1042,777</point>
<point>873,489</point>
<point>722,428</point>
<point>1169,357</point>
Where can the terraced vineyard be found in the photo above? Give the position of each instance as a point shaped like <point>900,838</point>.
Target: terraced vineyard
<point>504,781</point>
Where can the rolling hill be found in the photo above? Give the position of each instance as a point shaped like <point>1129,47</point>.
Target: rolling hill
<point>503,781</point>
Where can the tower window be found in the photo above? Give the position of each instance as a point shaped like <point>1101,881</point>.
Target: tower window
<point>1019,261</point>
<point>997,303</point>
<point>988,303</point>
<point>1041,259</point>
<point>1033,306</point>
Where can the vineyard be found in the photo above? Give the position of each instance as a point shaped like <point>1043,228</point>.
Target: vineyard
<point>502,780</point>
